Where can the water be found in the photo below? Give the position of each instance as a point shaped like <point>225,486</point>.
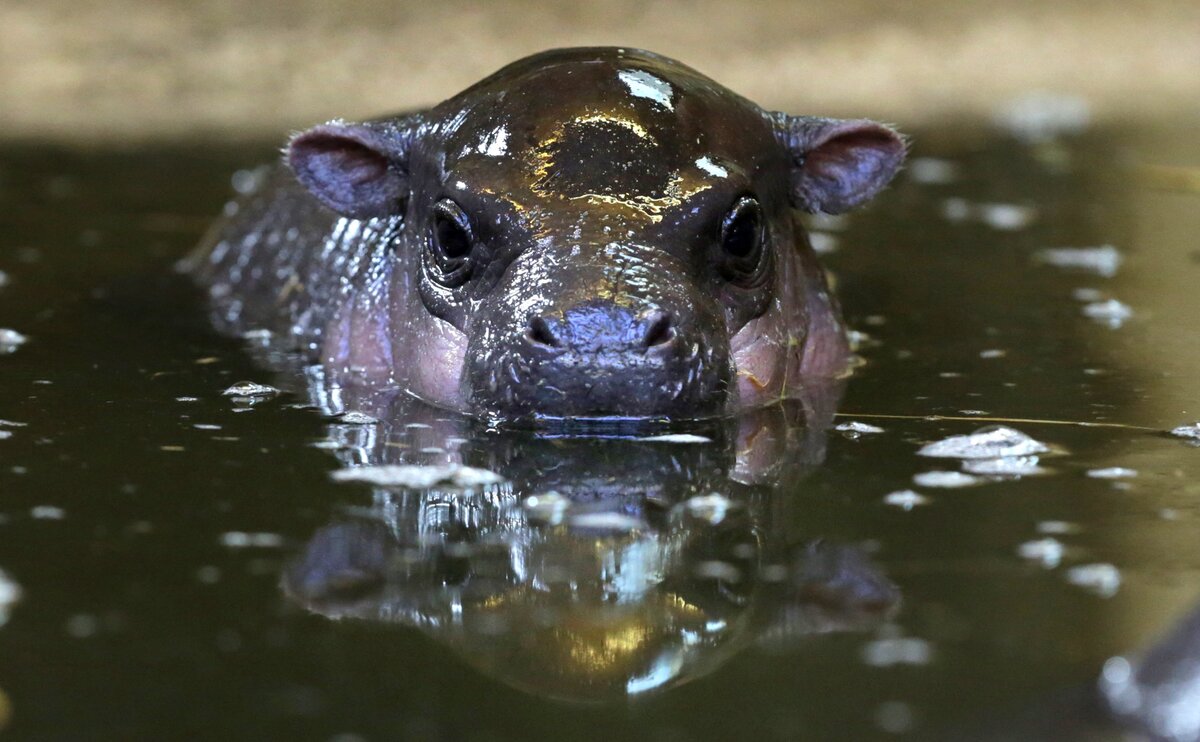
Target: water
<point>180,563</point>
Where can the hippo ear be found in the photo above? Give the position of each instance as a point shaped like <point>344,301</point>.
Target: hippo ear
<point>358,170</point>
<point>838,163</point>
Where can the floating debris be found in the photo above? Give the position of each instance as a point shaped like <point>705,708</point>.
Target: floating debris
<point>244,540</point>
<point>206,426</point>
<point>548,507</point>
<point>47,512</point>
<point>1102,579</point>
<point>717,570</point>
<point>1087,294</point>
<point>1057,527</point>
<point>187,399</point>
<point>676,438</point>
<point>250,389</point>
<point>993,353</point>
<point>822,243</point>
<point>1103,260</point>
<point>853,430</point>
<point>895,717</point>
<point>1047,552</point>
<point>711,508</point>
<point>897,651</point>
<point>1006,217</point>
<point>946,479</point>
<point>999,216</point>
<point>1191,432</point>
<point>10,595</point>
<point>4,279</point>
<point>1112,472</point>
<point>1044,116</point>
<point>1005,466</point>
<point>932,170</point>
<point>991,442</point>
<point>607,521</point>
<point>905,499</point>
<point>1112,312</point>
<point>418,477</point>
<point>357,418</point>
<point>10,340</point>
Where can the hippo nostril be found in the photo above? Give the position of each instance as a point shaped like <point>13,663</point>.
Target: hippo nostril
<point>659,330</point>
<point>539,333</point>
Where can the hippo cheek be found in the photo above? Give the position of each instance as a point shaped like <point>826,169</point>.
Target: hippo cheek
<point>435,353</point>
<point>761,351</point>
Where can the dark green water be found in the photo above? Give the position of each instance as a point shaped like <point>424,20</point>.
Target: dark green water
<point>144,615</point>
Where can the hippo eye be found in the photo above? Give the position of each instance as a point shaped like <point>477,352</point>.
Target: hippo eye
<point>450,242</point>
<point>742,232</point>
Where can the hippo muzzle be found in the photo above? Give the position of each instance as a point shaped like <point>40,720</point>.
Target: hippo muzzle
<point>614,330</point>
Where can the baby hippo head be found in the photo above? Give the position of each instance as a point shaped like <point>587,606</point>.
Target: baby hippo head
<point>601,233</point>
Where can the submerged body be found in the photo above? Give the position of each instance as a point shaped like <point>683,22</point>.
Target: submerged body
<point>586,233</point>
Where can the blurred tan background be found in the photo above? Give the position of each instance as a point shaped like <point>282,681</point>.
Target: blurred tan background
<point>97,70</point>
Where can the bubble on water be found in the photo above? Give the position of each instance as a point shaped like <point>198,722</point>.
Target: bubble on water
<point>47,512</point>
<point>894,717</point>
<point>607,521</point>
<point>1104,260</point>
<point>5,434</point>
<point>676,438</point>
<point>1111,312</point>
<point>250,389</point>
<point>4,279</point>
<point>206,426</point>
<point>946,479</point>
<point>905,499</point>
<point>246,540</point>
<point>1047,552</point>
<point>418,477</point>
<point>711,508</point>
<point>993,353</point>
<point>854,429</point>
<point>546,507</point>
<point>1112,472</point>
<point>1102,579</point>
<point>10,340</point>
<point>1004,466</point>
<point>10,595</point>
<point>1190,432</point>
<point>932,170</point>
<point>208,575</point>
<point>12,424</point>
<point>991,442</point>
<point>892,651</point>
<point>187,399</point>
<point>357,418</point>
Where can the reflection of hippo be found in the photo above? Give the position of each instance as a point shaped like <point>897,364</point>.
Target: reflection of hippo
<point>603,568</point>
<point>590,232</point>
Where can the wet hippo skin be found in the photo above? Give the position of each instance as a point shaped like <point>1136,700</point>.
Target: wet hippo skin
<point>586,233</point>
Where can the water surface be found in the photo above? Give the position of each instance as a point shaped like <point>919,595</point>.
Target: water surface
<point>188,567</point>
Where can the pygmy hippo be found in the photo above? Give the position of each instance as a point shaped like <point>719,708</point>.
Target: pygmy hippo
<point>592,232</point>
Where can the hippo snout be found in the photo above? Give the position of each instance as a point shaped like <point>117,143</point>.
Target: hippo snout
<point>596,327</point>
<point>601,358</point>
